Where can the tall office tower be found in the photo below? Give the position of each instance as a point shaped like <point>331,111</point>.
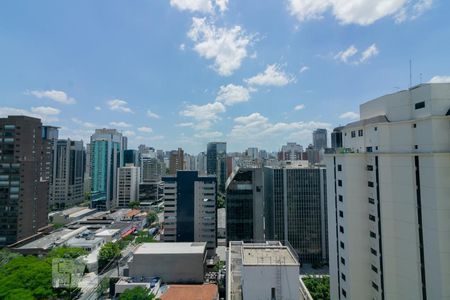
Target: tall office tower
<point>313,155</point>
<point>389,208</point>
<point>263,154</point>
<point>87,169</point>
<point>25,162</point>
<point>320,139</point>
<point>160,155</point>
<point>106,158</point>
<point>190,209</point>
<point>131,157</point>
<point>296,210</point>
<point>124,143</point>
<point>151,168</point>
<point>176,161</point>
<point>216,155</point>
<point>127,185</point>
<point>252,152</point>
<point>66,183</point>
<point>336,137</point>
<point>143,149</point>
<point>290,151</point>
<point>201,163</point>
<point>245,205</point>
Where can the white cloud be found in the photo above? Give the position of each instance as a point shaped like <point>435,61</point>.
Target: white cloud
<point>361,12</point>
<point>208,111</point>
<point>185,124</point>
<point>304,69</point>
<point>232,94</point>
<point>226,46</point>
<point>11,111</point>
<point>145,129</point>
<point>346,54</point>
<point>256,129</point>
<point>45,110</point>
<point>440,79</point>
<point>84,124</point>
<point>119,105</point>
<point>208,134</point>
<point>182,47</point>
<point>98,108</point>
<point>272,76</point>
<point>349,115</point>
<point>151,114</point>
<point>372,50</point>
<point>299,107</point>
<point>58,96</point>
<point>120,124</point>
<point>202,6</point>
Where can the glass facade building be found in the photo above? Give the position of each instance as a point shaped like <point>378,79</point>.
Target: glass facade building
<point>216,162</point>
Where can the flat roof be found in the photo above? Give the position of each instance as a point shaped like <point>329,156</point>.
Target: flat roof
<point>267,256</point>
<point>47,241</point>
<point>207,291</point>
<point>171,248</point>
<point>107,232</point>
<point>84,242</point>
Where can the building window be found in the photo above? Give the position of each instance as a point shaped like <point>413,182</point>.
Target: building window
<point>414,125</point>
<point>375,128</point>
<point>273,293</point>
<point>341,199</point>
<point>374,268</point>
<point>370,183</point>
<point>339,182</point>
<point>373,235</point>
<point>372,218</point>
<point>419,105</point>
<point>373,251</point>
<point>353,134</point>
<point>371,201</point>
<point>341,229</point>
<point>341,214</point>
<point>342,245</point>
<point>374,286</point>
<point>343,276</point>
<point>369,149</point>
<point>342,261</point>
<point>416,147</point>
<point>339,168</point>
<point>369,168</point>
<point>344,293</point>
<point>360,132</point>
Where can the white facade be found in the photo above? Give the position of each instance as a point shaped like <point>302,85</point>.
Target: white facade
<point>127,185</point>
<point>388,199</point>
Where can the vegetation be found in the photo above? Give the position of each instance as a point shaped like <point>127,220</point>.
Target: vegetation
<point>30,277</point>
<point>57,226</point>
<point>108,252</point>
<point>103,286</point>
<point>152,217</point>
<point>219,265</point>
<point>137,293</point>
<point>143,237</point>
<point>319,287</point>
<point>220,201</point>
<point>134,204</point>
<point>123,243</point>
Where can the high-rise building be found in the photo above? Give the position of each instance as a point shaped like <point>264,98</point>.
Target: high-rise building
<point>66,183</point>
<point>291,151</point>
<point>252,152</point>
<point>216,164</point>
<point>25,167</point>
<point>245,205</point>
<point>176,161</point>
<point>190,209</point>
<point>131,157</point>
<point>389,208</point>
<point>296,210</point>
<point>87,169</point>
<point>320,139</point>
<point>151,168</point>
<point>336,137</point>
<point>106,158</point>
<point>201,163</point>
<point>127,185</point>
<point>313,155</point>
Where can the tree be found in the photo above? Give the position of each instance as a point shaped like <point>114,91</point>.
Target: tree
<point>108,252</point>
<point>318,287</point>
<point>134,204</point>
<point>137,293</point>
<point>152,217</point>
<point>66,252</point>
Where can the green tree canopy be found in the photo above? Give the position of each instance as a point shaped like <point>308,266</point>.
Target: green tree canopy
<point>318,287</point>
<point>108,252</point>
<point>137,293</point>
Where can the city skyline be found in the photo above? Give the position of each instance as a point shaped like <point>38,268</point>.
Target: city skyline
<point>91,65</point>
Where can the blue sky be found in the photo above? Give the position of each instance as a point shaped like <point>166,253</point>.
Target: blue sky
<point>180,73</point>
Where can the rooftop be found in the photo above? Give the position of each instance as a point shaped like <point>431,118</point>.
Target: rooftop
<point>267,255</point>
<point>171,248</point>
<point>191,292</point>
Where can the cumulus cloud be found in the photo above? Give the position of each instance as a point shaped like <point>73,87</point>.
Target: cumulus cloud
<point>440,79</point>
<point>349,115</point>
<point>11,111</point>
<point>232,94</point>
<point>45,110</point>
<point>145,129</point>
<point>58,96</point>
<point>119,105</point>
<point>348,55</point>
<point>299,107</point>
<point>153,115</point>
<point>226,46</point>
<point>257,129</point>
<point>202,6</point>
<point>304,69</point>
<point>272,76</point>
<point>361,12</point>
<point>120,124</point>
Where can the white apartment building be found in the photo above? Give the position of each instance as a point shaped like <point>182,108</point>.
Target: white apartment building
<point>190,209</point>
<point>127,185</point>
<point>389,199</point>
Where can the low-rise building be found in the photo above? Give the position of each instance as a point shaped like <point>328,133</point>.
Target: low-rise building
<point>205,291</point>
<point>70,215</point>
